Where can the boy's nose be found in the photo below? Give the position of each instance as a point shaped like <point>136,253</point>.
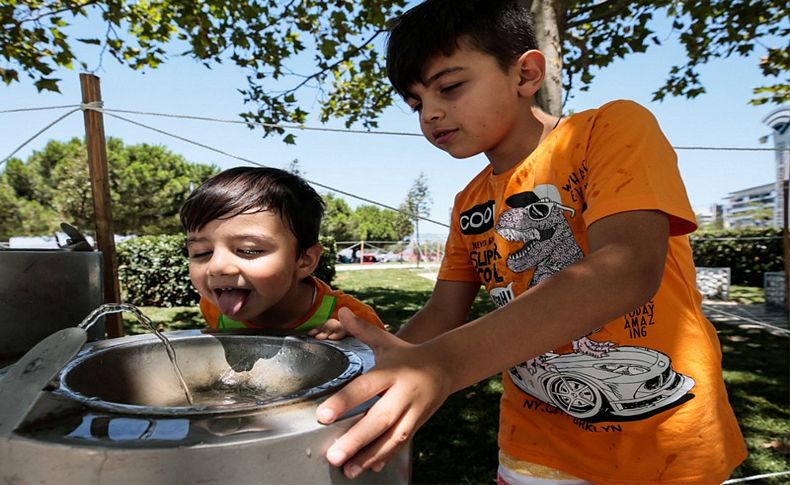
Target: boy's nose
<point>430,113</point>
<point>221,264</point>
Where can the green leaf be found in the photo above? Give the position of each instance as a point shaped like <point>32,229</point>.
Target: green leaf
<point>328,49</point>
<point>9,75</point>
<point>47,84</point>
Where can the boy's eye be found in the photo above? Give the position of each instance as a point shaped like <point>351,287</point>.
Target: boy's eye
<point>447,89</point>
<point>199,254</point>
<point>416,107</point>
<point>249,252</point>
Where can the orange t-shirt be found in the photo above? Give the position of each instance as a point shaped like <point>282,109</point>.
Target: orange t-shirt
<point>326,305</point>
<point>650,407</point>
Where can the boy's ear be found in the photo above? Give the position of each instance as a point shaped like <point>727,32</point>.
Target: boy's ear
<point>309,260</point>
<point>531,67</point>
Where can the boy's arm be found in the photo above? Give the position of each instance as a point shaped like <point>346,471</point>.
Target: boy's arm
<point>622,270</point>
<point>447,309</point>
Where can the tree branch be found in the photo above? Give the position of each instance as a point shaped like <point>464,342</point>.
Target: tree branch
<point>330,67</point>
<point>596,12</point>
<point>71,9</point>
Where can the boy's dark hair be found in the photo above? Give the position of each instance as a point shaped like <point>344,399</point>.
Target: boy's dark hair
<point>500,28</point>
<point>253,189</point>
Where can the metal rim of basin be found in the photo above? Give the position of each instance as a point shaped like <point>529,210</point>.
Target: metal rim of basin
<point>353,367</point>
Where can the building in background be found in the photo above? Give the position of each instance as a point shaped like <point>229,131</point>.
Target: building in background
<point>752,207</point>
<point>779,121</point>
<point>761,206</point>
<point>710,217</point>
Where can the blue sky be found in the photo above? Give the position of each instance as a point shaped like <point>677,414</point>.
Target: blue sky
<point>382,167</point>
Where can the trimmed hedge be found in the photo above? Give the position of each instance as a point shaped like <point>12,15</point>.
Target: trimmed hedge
<point>749,253</point>
<point>325,271</point>
<point>154,270</point>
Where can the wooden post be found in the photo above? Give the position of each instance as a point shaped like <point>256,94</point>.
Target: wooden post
<point>786,239</point>
<point>417,235</point>
<point>100,186</point>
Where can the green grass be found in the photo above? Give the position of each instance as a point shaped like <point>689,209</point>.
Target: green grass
<point>396,294</point>
<point>458,444</point>
<point>747,294</point>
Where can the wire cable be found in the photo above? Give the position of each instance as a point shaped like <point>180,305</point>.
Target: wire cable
<point>98,106</point>
<point>263,125</point>
<point>331,130</point>
<point>43,108</point>
<point>722,238</point>
<point>246,160</point>
<point>735,149</point>
<point>370,132</point>
<point>755,477</point>
<point>58,120</point>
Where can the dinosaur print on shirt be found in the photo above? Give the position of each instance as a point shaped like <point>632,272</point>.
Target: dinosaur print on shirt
<point>580,382</point>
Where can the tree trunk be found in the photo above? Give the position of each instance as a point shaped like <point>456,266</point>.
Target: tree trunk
<point>547,30</point>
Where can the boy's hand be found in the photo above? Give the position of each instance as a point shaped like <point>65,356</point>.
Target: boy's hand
<point>411,384</point>
<point>332,329</point>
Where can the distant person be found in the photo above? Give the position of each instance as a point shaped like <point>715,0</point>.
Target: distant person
<point>252,239</point>
<point>577,228</point>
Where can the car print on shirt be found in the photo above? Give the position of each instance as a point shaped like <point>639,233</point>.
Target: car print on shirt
<point>596,378</point>
<point>626,381</point>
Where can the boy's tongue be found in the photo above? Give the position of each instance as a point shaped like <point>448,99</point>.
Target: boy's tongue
<point>231,301</point>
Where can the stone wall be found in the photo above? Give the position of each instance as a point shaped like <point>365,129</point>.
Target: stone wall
<point>774,286</point>
<point>714,283</point>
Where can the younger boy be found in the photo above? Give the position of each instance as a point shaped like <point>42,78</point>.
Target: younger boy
<point>577,228</point>
<point>252,238</point>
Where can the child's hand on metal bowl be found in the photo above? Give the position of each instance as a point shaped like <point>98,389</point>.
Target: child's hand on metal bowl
<point>332,329</point>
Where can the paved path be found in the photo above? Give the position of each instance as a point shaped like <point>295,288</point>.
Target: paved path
<point>733,313</point>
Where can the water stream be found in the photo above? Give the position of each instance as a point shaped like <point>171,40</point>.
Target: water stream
<point>109,308</point>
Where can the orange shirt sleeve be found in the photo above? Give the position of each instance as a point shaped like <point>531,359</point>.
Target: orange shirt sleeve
<point>632,166</point>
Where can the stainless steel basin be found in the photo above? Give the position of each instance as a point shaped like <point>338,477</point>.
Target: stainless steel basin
<point>116,414</point>
<point>224,373</point>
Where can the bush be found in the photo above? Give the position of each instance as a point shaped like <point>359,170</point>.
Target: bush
<point>154,270</point>
<point>748,252</point>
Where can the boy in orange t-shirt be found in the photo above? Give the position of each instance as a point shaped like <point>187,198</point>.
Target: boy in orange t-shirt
<point>252,239</point>
<point>577,229</point>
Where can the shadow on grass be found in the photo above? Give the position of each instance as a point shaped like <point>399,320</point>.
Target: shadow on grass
<point>756,367</point>
<point>458,445</point>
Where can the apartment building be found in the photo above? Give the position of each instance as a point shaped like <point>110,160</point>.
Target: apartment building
<point>752,207</point>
